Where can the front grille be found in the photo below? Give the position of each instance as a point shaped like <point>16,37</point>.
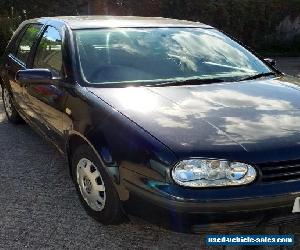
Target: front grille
<point>280,171</point>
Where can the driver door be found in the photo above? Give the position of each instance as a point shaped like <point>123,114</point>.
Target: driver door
<point>47,100</point>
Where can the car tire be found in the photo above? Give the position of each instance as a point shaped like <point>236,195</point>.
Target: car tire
<point>95,188</point>
<point>11,113</point>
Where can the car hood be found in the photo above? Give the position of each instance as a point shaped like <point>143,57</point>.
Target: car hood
<point>251,121</point>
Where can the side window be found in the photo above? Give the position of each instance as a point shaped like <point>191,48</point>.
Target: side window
<point>49,54</point>
<point>27,41</point>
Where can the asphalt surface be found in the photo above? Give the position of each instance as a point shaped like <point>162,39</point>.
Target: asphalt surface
<point>39,208</point>
<point>289,65</point>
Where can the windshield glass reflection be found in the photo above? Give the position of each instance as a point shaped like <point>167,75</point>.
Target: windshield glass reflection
<point>153,55</point>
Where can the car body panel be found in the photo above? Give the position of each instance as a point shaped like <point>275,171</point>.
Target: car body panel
<point>90,22</point>
<point>104,126</point>
<point>12,66</point>
<point>46,102</point>
<point>245,121</point>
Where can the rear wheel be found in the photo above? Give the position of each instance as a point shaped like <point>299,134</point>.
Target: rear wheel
<point>95,188</point>
<point>11,113</point>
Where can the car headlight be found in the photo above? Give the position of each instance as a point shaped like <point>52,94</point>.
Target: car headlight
<point>212,173</point>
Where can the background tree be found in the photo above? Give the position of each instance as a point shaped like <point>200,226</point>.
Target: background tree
<point>255,23</point>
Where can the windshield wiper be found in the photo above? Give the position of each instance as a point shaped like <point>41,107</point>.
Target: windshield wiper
<point>258,76</point>
<point>196,81</point>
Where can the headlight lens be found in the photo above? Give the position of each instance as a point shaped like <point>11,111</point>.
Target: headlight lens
<point>212,173</point>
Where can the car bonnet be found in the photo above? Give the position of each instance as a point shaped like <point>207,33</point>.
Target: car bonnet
<point>249,121</point>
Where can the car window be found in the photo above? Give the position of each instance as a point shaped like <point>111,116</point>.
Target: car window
<point>49,54</point>
<point>154,55</point>
<point>27,41</point>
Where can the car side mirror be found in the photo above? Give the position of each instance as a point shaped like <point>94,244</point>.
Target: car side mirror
<point>35,76</point>
<point>270,61</point>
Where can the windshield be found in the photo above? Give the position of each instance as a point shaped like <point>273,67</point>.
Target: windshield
<point>157,55</point>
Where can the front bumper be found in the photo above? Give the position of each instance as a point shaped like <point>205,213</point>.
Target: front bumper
<point>212,209</point>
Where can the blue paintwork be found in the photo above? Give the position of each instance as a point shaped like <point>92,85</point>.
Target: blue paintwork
<point>253,121</point>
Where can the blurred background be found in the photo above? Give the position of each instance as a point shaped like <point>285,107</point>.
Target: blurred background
<point>271,27</point>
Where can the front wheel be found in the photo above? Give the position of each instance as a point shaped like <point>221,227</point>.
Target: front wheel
<point>94,187</point>
<point>11,113</point>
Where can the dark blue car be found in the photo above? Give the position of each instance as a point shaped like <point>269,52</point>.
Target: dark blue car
<point>159,117</point>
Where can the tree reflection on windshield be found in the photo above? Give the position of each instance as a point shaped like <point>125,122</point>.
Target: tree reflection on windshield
<point>139,55</point>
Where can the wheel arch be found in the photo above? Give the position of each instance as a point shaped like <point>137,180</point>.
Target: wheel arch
<point>75,139</point>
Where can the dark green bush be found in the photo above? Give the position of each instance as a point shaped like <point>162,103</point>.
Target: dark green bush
<point>13,12</point>
<point>251,21</point>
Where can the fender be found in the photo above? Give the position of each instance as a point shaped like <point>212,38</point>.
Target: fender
<point>112,169</point>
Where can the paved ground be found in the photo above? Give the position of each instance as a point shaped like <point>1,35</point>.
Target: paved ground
<point>40,210</point>
<point>289,65</point>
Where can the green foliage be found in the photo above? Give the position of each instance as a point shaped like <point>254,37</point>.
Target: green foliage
<point>251,21</point>
<point>13,12</point>
<point>8,25</point>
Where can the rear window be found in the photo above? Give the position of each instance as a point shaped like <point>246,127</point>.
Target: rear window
<point>27,41</point>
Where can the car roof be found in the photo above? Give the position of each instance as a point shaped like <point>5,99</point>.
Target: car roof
<point>88,22</point>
